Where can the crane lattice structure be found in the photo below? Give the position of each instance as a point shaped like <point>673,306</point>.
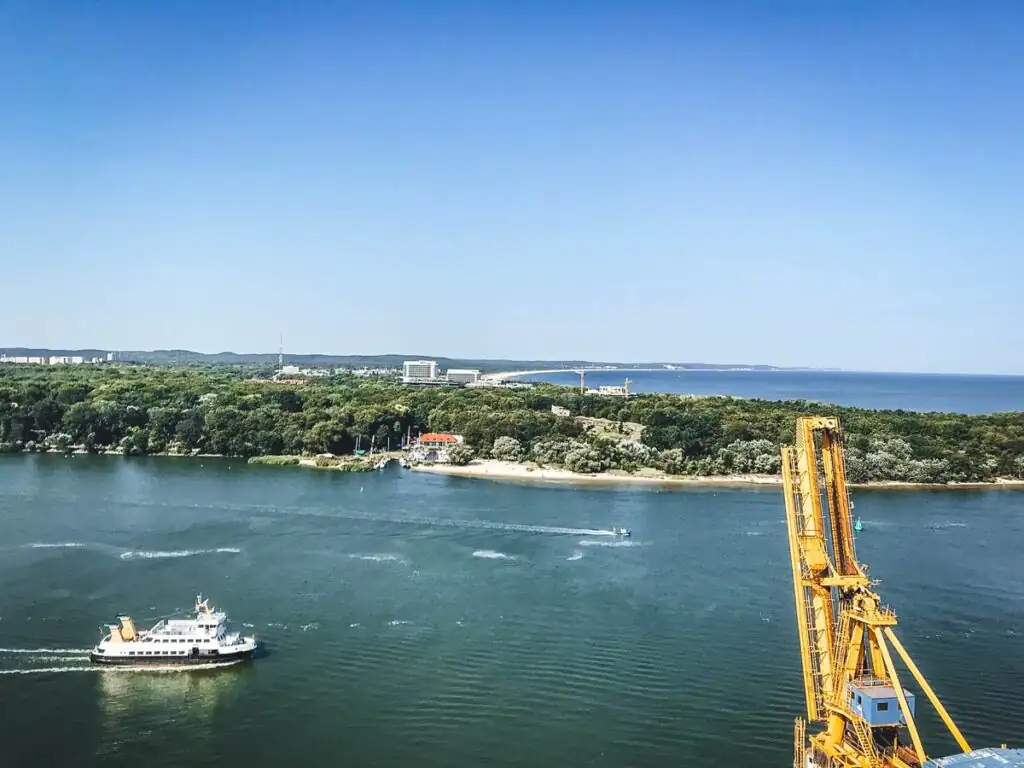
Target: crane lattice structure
<point>852,688</point>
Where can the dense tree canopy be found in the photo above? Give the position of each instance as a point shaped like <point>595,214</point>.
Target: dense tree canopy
<point>139,410</point>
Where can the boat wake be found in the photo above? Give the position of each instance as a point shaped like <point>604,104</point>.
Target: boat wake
<point>575,556</point>
<point>383,558</point>
<point>58,545</point>
<point>477,525</point>
<point>489,525</point>
<point>490,554</point>
<point>148,668</point>
<point>70,660</point>
<point>593,543</point>
<point>159,554</point>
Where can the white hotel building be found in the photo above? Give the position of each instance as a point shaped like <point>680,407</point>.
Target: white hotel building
<point>425,372</point>
<point>419,371</point>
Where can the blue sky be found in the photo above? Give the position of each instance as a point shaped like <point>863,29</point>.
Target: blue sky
<point>825,184</point>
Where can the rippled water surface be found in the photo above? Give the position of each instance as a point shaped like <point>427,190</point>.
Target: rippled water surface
<point>422,620</point>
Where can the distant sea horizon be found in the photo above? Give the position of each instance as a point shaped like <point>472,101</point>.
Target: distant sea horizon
<point>929,392</point>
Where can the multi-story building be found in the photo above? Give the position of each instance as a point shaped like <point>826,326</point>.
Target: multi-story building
<point>463,375</point>
<point>48,360</point>
<point>419,371</point>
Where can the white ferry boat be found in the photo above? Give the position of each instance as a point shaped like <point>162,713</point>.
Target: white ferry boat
<point>205,639</point>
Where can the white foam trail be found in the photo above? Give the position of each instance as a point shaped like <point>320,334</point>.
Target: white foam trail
<point>59,545</point>
<point>575,556</point>
<point>592,543</point>
<point>307,627</point>
<point>380,558</point>
<point>490,554</point>
<point>154,669</point>
<point>159,554</point>
<point>474,524</point>
<point>398,623</point>
<point>58,658</point>
<point>40,651</point>
<point>529,528</point>
<point>42,670</point>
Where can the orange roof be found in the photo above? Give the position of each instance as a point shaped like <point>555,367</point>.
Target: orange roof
<point>438,437</point>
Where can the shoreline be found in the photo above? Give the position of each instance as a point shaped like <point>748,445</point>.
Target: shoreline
<point>494,469</point>
<point>512,471</point>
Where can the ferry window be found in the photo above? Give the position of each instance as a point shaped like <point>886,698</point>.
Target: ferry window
<point>883,706</point>
<point>131,653</point>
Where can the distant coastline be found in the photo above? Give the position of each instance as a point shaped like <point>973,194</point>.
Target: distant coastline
<point>342,422</point>
<point>666,367</point>
<point>493,366</point>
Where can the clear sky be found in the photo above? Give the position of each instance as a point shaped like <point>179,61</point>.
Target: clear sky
<point>818,183</point>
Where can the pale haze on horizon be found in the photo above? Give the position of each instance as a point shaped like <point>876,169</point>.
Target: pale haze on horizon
<point>789,183</point>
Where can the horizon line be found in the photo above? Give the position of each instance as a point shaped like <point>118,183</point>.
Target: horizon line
<point>704,365</point>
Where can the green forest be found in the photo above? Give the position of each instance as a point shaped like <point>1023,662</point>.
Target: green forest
<point>218,410</point>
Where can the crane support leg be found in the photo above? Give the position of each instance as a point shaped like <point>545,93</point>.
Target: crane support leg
<point>802,618</point>
<point>927,689</point>
<point>894,678</point>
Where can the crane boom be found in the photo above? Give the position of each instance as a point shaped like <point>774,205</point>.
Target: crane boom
<point>852,688</point>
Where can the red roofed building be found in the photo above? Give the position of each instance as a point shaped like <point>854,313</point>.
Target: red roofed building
<point>434,446</point>
<point>439,440</point>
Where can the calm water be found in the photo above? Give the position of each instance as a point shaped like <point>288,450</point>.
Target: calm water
<point>909,391</point>
<point>422,620</point>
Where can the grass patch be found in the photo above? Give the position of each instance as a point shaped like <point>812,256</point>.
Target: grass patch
<point>274,461</point>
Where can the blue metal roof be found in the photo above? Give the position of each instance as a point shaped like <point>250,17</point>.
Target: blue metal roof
<point>981,758</point>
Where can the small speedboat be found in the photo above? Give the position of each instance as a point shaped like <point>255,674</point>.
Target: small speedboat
<point>622,531</point>
<point>858,525</point>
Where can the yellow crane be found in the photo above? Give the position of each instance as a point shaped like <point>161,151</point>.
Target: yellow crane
<point>855,699</point>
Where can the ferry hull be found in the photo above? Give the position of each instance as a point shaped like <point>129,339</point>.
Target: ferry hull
<point>161,661</point>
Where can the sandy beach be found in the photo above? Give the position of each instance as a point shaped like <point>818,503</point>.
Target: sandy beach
<point>493,469</point>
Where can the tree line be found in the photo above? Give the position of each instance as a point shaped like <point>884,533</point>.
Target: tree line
<point>144,410</point>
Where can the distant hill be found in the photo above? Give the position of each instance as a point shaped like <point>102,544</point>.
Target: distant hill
<point>188,357</point>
